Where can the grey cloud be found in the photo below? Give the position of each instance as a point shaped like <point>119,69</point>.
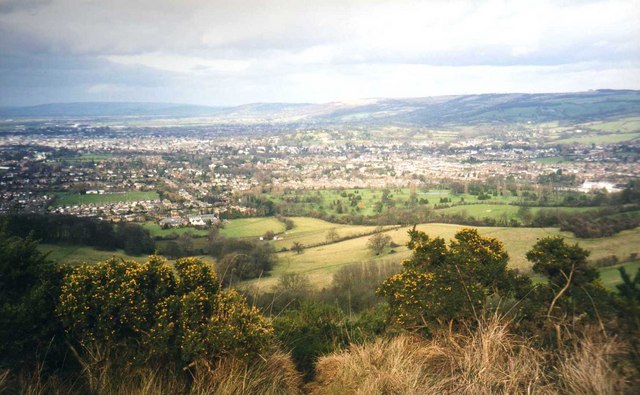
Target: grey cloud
<point>9,6</point>
<point>60,47</point>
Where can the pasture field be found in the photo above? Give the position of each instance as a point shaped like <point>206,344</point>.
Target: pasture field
<point>504,211</point>
<point>624,125</point>
<point>319,263</point>
<point>367,201</point>
<point>251,227</point>
<point>157,231</point>
<point>87,158</point>
<point>76,255</point>
<point>610,276</point>
<point>610,138</point>
<point>310,231</point>
<point>72,199</point>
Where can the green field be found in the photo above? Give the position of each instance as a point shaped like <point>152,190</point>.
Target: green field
<point>624,125</point>
<point>87,158</point>
<point>610,138</point>
<point>342,202</point>
<point>610,276</point>
<point>76,255</point>
<point>251,227</point>
<point>499,212</point>
<point>157,231</point>
<point>73,199</point>
<point>311,231</point>
<point>319,263</point>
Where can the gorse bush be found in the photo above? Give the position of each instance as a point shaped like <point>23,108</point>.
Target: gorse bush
<point>573,289</point>
<point>115,299</point>
<point>443,283</point>
<point>181,314</point>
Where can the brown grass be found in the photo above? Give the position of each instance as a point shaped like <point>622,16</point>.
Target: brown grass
<point>274,376</point>
<point>486,360</point>
<point>102,375</point>
<point>4,378</point>
<point>588,367</point>
<point>489,360</point>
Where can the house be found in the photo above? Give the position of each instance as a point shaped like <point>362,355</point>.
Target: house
<point>197,221</point>
<point>172,222</point>
<point>589,186</point>
<point>203,220</point>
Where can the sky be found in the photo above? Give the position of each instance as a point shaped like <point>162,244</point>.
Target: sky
<point>224,53</point>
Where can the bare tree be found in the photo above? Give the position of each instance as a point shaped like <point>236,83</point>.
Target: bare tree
<point>332,235</point>
<point>378,242</point>
<point>297,247</point>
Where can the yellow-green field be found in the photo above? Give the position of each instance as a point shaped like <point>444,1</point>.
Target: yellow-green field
<point>624,125</point>
<point>325,200</point>
<point>319,263</point>
<point>77,255</point>
<point>611,138</point>
<point>311,231</point>
<point>503,211</point>
<point>610,276</point>
<point>251,227</point>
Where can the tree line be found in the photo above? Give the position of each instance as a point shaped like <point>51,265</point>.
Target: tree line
<point>67,229</point>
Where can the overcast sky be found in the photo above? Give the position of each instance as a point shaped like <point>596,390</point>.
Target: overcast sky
<point>233,52</point>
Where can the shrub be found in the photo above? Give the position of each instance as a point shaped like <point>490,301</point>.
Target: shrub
<point>241,259</point>
<point>439,283</point>
<point>135,239</point>
<point>313,330</point>
<point>378,242</point>
<point>354,286</point>
<point>606,261</point>
<point>573,285</point>
<point>29,286</point>
<point>146,306</point>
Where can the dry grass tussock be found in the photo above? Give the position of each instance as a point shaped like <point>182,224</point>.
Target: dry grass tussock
<point>274,375</point>
<point>489,360</point>
<point>589,367</point>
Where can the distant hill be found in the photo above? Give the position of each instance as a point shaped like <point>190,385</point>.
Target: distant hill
<point>486,108</point>
<point>436,110</point>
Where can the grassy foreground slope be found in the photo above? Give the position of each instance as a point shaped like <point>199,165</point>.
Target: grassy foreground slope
<point>319,263</point>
